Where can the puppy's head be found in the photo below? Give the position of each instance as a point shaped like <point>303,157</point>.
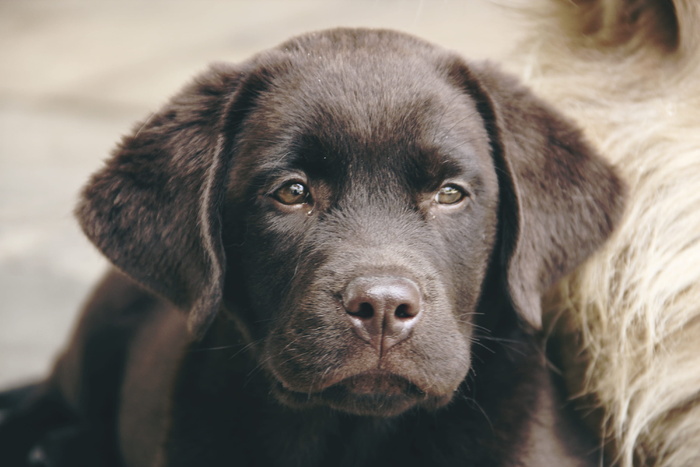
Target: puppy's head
<point>347,196</point>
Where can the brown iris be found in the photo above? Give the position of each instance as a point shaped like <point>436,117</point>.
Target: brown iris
<point>449,194</point>
<point>292,193</point>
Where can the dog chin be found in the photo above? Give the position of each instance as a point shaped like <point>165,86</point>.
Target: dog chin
<point>374,394</point>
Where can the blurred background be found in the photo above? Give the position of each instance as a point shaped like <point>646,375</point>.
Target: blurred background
<point>75,76</point>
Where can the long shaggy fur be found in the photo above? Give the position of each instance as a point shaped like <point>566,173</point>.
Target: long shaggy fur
<point>628,321</point>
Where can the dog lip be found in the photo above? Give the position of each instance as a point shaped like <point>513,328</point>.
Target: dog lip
<point>372,393</point>
<point>381,383</point>
<point>373,382</point>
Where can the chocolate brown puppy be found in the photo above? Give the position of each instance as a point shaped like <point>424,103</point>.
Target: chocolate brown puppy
<point>331,254</point>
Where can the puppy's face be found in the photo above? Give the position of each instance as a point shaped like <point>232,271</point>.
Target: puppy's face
<point>341,195</point>
<point>369,211</point>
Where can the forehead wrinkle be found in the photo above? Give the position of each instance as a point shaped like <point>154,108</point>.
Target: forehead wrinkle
<point>406,156</point>
<point>363,118</point>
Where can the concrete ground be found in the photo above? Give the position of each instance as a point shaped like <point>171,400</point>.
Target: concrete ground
<point>75,75</point>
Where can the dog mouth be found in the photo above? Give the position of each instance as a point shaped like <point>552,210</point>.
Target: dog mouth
<point>379,383</point>
<point>374,393</point>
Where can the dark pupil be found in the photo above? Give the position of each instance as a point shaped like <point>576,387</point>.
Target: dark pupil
<point>294,193</point>
<point>296,190</point>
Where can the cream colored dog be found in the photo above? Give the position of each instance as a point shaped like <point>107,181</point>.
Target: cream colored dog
<point>628,321</point>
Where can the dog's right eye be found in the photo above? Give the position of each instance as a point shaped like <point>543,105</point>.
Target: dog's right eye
<point>292,193</point>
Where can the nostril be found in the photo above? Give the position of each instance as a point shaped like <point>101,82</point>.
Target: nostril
<point>404,311</point>
<point>364,310</point>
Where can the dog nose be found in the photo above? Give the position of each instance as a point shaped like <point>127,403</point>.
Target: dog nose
<point>383,309</point>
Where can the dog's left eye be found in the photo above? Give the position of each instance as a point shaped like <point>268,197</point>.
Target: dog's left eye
<point>449,194</point>
<point>292,193</point>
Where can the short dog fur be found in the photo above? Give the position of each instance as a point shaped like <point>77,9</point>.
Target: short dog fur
<point>357,228</point>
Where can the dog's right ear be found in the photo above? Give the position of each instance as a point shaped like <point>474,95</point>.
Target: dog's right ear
<point>154,209</point>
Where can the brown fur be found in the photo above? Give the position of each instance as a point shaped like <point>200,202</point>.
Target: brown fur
<point>279,366</point>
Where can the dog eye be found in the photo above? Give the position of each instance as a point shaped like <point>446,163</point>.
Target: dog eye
<point>292,193</point>
<point>449,194</point>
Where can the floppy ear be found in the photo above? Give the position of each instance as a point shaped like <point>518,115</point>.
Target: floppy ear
<point>154,209</point>
<point>559,199</point>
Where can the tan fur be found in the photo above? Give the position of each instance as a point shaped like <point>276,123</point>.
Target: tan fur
<point>629,320</point>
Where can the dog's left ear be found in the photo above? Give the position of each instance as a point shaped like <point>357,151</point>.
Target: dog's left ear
<point>154,209</point>
<point>559,199</point>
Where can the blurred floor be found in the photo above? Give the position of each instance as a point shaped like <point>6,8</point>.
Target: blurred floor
<point>74,76</point>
